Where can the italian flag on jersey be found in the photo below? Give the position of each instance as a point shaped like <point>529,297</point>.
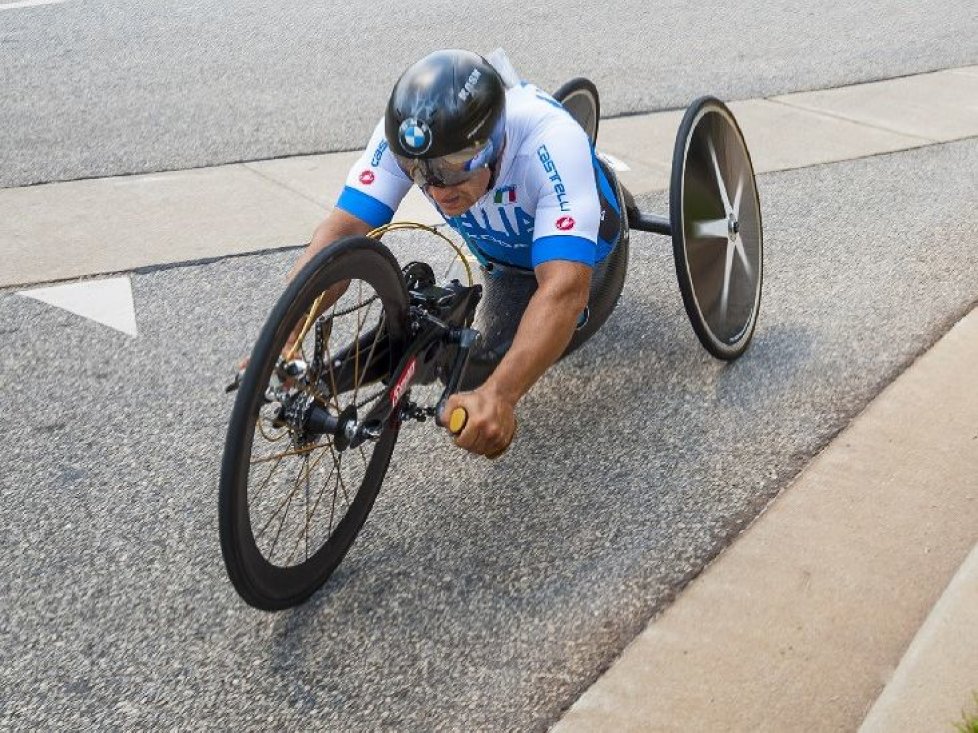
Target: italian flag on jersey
<point>507,192</point>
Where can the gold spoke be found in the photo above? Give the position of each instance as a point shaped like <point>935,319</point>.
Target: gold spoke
<point>356,342</point>
<point>279,508</point>
<point>310,317</point>
<point>288,560</point>
<point>332,375</point>
<point>269,439</point>
<point>286,504</point>
<point>305,529</point>
<point>267,479</point>
<point>314,509</point>
<point>449,268</point>
<point>288,499</point>
<point>286,454</point>
<point>339,473</point>
<point>407,225</point>
<point>370,354</point>
<point>309,514</point>
<point>332,503</point>
<point>304,478</point>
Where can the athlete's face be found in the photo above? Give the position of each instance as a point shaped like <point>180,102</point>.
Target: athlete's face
<point>455,200</point>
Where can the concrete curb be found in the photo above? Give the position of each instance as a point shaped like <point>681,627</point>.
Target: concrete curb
<point>801,622</point>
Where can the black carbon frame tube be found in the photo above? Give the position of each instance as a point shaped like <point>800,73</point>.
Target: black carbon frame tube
<point>649,223</point>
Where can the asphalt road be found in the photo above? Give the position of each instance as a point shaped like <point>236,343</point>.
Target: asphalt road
<point>480,595</point>
<point>96,88</point>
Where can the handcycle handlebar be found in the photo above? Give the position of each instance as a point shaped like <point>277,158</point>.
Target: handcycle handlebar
<point>456,424</point>
<point>457,420</point>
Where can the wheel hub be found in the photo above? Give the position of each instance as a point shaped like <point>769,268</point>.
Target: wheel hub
<point>346,429</point>
<point>733,227</point>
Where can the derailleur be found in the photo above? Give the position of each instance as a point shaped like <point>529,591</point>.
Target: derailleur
<point>419,413</point>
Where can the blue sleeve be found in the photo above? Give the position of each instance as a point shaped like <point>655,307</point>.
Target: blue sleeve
<point>563,247</point>
<point>364,206</point>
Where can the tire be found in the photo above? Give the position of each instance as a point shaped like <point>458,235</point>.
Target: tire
<point>261,578</point>
<point>713,200</point>
<point>580,98</point>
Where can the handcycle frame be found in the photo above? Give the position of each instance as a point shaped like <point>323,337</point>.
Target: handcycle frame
<point>439,318</point>
<point>714,222</point>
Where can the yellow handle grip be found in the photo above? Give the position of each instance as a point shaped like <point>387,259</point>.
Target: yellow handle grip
<point>457,420</point>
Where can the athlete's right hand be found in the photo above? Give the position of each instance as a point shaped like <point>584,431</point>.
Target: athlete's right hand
<point>490,425</point>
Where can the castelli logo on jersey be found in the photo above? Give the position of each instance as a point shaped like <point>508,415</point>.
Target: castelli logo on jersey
<point>564,223</point>
<point>378,153</point>
<point>367,177</point>
<point>404,382</point>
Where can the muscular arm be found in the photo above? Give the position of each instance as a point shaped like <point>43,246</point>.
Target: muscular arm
<point>545,330</point>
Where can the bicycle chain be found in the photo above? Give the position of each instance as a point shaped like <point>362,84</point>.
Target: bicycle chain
<point>354,308</point>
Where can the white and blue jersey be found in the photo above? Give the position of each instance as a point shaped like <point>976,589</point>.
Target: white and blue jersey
<point>543,205</point>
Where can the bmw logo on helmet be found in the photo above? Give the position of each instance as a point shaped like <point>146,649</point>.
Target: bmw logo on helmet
<point>415,136</point>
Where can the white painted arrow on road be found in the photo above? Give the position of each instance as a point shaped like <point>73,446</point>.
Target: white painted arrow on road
<point>108,301</point>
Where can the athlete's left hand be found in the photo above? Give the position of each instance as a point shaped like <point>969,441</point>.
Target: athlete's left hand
<point>491,423</point>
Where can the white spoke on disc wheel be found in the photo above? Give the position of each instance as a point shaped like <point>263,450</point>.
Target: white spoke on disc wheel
<point>719,228</point>
<point>739,242</point>
<point>739,247</point>
<point>720,184</point>
<point>737,195</point>
<point>727,271</point>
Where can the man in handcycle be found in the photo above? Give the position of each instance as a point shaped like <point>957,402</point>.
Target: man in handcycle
<point>513,173</point>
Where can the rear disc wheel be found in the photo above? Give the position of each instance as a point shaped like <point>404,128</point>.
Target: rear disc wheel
<point>716,228</point>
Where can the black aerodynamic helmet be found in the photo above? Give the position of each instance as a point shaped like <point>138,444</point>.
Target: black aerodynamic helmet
<point>446,118</point>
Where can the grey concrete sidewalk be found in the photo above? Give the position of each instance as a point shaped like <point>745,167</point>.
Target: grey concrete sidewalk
<point>67,230</point>
<point>801,622</point>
